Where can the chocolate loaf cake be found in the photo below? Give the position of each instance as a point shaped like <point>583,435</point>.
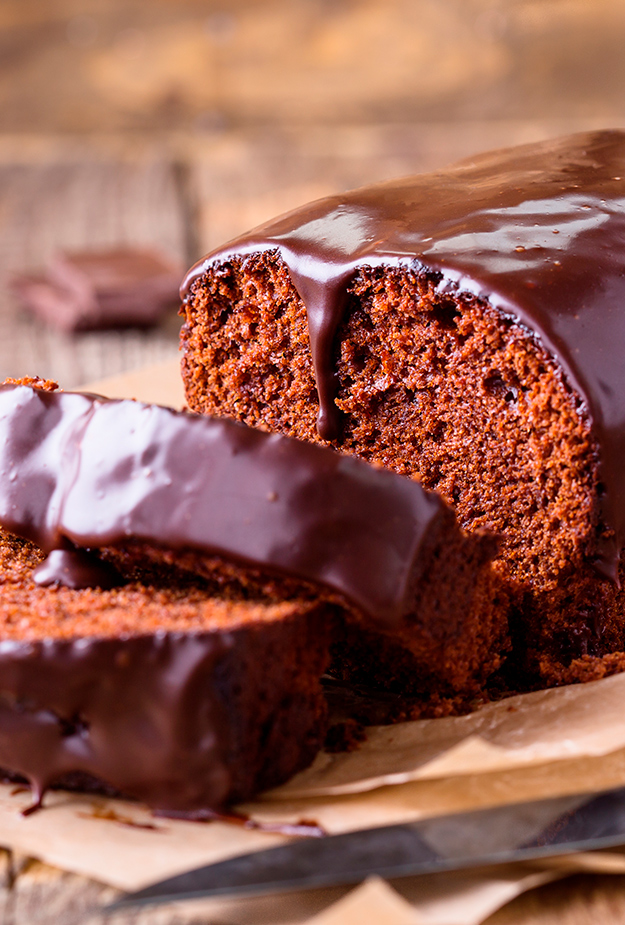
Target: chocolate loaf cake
<point>155,490</point>
<point>466,328</point>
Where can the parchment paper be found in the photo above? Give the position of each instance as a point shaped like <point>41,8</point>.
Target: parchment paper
<point>559,742</point>
<point>521,731</point>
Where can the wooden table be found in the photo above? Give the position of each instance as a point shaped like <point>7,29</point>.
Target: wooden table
<point>37,894</point>
<point>185,193</point>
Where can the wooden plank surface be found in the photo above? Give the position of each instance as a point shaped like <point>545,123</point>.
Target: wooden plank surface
<point>80,65</point>
<point>83,201</point>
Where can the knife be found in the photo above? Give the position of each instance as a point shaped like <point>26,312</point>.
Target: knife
<point>523,831</point>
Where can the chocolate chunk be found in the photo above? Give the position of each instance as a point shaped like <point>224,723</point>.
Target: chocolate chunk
<point>96,290</point>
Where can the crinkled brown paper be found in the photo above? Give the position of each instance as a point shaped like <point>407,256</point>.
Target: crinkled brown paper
<point>550,743</point>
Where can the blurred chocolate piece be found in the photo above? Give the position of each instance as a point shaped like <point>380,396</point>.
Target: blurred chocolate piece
<point>95,290</point>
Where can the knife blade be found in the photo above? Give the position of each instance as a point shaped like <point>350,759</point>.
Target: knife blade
<point>500,835</point>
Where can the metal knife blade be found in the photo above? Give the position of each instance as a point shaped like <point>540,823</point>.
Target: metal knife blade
<point>522,831</point>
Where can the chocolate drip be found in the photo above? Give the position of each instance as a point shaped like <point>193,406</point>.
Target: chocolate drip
<point>325,303</point>
<point>538,231</point>
<point>90,472</point>
<point>76,568</point>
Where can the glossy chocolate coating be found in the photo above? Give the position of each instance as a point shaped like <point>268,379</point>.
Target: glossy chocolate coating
<point>76,568</point>
<point>185,721</point>
<point>538,231</point>
<point>97,473</point>
<point>140,713</point>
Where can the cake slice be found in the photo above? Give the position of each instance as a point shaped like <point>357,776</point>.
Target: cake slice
<point>111,490</point>
<point>465,328</point>
<point>170,691</point>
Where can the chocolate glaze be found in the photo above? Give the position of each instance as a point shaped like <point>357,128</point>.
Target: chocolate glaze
<point>132,712</point>
<point>537,230</point>
<point>76,568</point>
<point>97,473</point>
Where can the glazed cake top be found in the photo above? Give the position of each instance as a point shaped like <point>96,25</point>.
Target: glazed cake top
<point>81,470</point>
<point>537,230</point>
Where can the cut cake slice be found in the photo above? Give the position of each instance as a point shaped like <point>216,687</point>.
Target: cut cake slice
<point>172,692</point>
<point>162,493</point>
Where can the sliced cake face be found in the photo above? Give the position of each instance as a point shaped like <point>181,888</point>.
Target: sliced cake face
<point>434,386</point>
<point>464,327</point>
<point>173,695</point>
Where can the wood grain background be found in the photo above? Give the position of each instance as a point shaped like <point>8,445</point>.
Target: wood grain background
<point>180,123</point>
<point>149,65</point>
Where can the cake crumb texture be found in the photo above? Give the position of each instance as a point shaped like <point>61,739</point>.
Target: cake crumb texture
<point>445,389</point>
